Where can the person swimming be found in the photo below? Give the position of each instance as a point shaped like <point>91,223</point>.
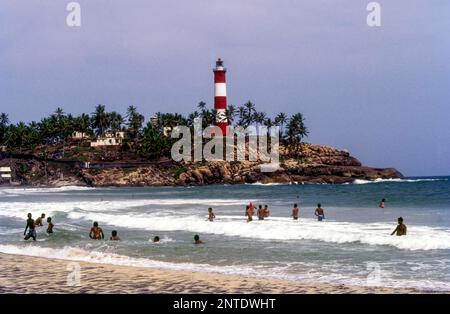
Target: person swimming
<point>197,239</point>
<point>401,227</point>
<point>249,213</point>
<point>96,232</point>
<point>319,212</point>
<point>114,236</point>
<point>382,203</point>
<point>260,213</point>
<point>266,211</point>
<point>295,212</point>
<point>50,225</point>
<point>31,227</point>
<point>211,215</point>
<point>155,239</point>
<point>38,221</point>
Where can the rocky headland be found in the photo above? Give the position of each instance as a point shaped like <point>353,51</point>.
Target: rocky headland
<point>318,164</point>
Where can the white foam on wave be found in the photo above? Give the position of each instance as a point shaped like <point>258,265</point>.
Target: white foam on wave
<point>267,184</point>
<point>20,209</point>
<point>360,181</point>
<point>250,270</point>
<point>118,213</point>
<point>283,229</point>
<point>29,190</point>
<point>164,239</point>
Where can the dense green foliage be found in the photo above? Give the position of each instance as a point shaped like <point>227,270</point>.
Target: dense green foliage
<point>147,140</point>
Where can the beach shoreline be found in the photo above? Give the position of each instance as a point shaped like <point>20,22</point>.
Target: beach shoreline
<point>28,274</point>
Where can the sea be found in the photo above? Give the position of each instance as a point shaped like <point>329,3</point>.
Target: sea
<point>351,246</point>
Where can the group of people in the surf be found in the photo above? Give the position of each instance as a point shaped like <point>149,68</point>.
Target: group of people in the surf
<point>264,212</point>
<point>30,228</point>
<point>261,212</point>
<point>96,233</point>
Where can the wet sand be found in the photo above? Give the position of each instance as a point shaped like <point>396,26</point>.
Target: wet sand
<point>25,274</point>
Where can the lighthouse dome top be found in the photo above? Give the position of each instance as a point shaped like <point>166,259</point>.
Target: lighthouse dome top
<point>219,65</point>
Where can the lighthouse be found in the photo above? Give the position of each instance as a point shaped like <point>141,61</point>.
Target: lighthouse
<point>220,96</point>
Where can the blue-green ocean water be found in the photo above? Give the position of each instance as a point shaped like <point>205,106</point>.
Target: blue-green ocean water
<point>353,245</point>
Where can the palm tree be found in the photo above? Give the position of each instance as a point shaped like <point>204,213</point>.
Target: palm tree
<point>83,123</point>
<point>19,136</point>
<point>4,120</point>
<point>32,136</point>
<point>135,121</point>
<point>241,114</point>
<point>59,121</point>
<point>259,118</point>
<point>202,107</point>
<point>100,120</point>
<point>250,110</point>
<point>231,114</point>
<point>59,113</point>
<point>115,120</point>
<point>296,131</point>
<point>191,117</point>
<point>208,118</point>
<point>281,120</point>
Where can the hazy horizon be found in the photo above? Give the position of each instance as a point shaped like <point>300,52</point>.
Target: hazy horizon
<point>380,92</point>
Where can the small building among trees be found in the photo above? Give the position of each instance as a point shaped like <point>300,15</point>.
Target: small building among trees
<point>109,139</point>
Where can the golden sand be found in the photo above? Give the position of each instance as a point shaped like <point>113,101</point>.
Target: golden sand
<point>24,274</point>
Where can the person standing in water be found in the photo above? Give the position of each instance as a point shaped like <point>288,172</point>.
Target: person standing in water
<point>260,213</point>
<point>31,227</point>
<point>266,211</point>
<point>96,232</point>
<point>401,228</point>
<point>38,221</point>
<point>295,212</point>
<point>249,213</point>
<point>319,212</point>
<point>382,203</point>
<point>50,225</point>
<point>211,215</point>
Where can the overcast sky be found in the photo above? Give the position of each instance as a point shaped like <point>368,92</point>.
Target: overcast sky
<point>381,92</point>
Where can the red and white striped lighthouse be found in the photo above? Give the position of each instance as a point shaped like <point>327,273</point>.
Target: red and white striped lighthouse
<point>220,96</point>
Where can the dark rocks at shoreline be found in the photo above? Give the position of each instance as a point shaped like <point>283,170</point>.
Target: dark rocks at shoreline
<point>302,174</point>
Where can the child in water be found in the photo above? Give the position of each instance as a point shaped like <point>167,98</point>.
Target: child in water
<point>50,225</point>
<point>382,203</point>
<point>211,215</point>
<point>114,236</point>
<point>197,239</point>
<point>38,221</point>
<point>96,232</point>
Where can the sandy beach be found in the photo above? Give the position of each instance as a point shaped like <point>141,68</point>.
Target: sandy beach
<point>25,274</point>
